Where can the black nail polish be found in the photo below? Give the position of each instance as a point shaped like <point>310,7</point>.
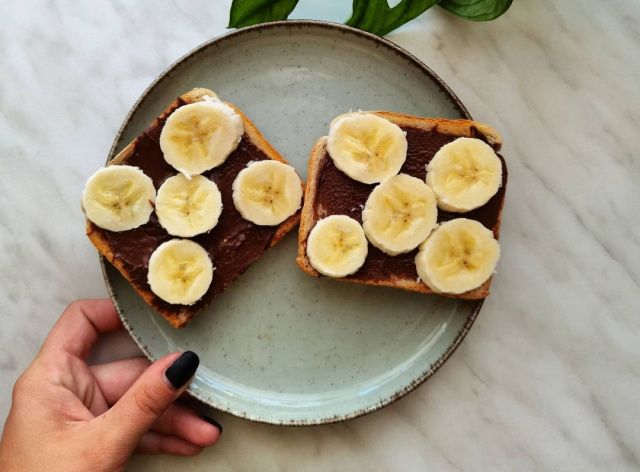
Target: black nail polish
<point>182,369</point>
<point>213,422</point>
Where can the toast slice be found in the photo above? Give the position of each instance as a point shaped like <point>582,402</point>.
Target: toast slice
<point>330,192</point>
<point>233,244</point>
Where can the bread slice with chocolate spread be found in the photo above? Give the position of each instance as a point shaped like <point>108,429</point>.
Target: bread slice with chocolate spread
<point>233,244</point>
<point>331,192</point>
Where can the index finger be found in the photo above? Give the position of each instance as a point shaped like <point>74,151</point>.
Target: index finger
<point>80,325</point>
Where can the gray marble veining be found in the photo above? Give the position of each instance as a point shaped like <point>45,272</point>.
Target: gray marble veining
<point>548,378</point>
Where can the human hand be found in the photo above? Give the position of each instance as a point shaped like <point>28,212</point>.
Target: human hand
<point>69,416</point>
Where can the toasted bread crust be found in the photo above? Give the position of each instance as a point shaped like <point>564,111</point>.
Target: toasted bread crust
<point>462,128</point>
<point>181,315</point>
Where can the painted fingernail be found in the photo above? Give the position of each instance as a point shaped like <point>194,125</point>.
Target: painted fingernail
<point>182,369</point>
<point>213,422</point>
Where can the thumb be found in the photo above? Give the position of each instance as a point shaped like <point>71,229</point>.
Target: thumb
<point>149,397</point>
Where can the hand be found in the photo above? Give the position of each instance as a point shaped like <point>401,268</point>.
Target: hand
<point>69,416</point>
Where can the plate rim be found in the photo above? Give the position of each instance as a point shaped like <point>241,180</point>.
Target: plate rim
<point>451,96</point>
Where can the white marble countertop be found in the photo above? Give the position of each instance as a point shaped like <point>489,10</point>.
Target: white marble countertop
<point>549,377</point>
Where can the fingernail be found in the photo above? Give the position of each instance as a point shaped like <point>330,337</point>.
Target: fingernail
<point>182,369</point>
<point>213,422</point>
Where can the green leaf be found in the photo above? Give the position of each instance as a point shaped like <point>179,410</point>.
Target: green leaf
<point>252,12</point>
<point>377,17</point>
<point>476,10</point>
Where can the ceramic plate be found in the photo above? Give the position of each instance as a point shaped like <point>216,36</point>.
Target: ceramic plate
<point>279,346</point>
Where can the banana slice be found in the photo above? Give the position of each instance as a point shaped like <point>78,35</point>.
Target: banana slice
<point>399,214</point>
<point>367,148</point>
<point>337,246</point>
<point>188,207</point>
<point>200,136</point>
<point>460,255</point>
<point>118,198</point>
<point>464,174</point>
<point>267,192</point>
<point>180,271</point>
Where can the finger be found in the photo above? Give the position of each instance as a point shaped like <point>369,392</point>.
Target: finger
<point>148,398</point>
<point>78,328</point>
<point>185,423</point>
<point>115,378</point>
<point>157,443</point>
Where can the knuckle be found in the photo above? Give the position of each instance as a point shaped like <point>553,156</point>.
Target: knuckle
<point>149,401</point>
<point>74,305</point>
<point>20,388</point>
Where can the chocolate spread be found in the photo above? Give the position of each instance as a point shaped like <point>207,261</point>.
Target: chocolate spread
<point>340,195</point>
<point>233,244</point>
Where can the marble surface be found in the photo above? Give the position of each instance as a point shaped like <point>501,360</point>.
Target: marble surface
<point>549,377</point>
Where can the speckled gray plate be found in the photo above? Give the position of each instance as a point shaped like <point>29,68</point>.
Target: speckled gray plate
<point>280,346</point>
